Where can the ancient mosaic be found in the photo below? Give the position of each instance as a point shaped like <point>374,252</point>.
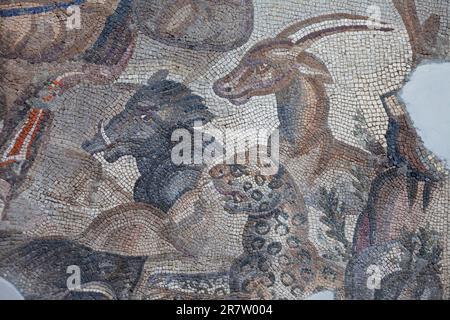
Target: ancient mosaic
<point>220,149</point>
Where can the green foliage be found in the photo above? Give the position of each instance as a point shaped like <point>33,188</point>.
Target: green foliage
<point>334,218</point>
<point>361,184</point>
<point>361,130</point>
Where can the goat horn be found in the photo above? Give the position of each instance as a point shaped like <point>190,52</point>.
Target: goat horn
<point>292,29</point>
<point>308,40</point>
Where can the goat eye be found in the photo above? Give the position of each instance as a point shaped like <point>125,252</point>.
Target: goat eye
<point>262,68</point>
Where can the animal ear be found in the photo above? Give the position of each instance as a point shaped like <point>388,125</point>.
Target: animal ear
<point>431,28</point>
<point>309,64</point>
<point>158,76</point>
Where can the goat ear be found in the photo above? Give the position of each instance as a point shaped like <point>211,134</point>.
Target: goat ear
<point>309,64</point>
<point>431,28</point>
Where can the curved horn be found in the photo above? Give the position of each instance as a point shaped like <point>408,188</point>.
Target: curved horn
<point>309,39</point>
<point>328,25</point>
<point>292,29</point>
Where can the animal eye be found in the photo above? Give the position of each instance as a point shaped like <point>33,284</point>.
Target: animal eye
<point>146,118</point>
<point>217,172</point>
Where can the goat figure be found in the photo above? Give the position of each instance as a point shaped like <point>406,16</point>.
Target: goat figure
<point>283,66</point>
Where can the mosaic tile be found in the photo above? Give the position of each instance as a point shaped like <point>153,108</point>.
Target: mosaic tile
<point>232,149</point>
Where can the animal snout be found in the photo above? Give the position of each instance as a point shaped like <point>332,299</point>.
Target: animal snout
<point>100,142</point>
<point>93,146</point>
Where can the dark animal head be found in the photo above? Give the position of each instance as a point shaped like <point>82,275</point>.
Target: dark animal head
<point>144,128</point>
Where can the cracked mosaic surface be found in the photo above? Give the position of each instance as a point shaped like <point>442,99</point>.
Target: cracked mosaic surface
<point>93,205</point>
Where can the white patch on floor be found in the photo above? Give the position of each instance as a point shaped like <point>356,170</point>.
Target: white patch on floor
<point>8,291</point>
<point>427,98</point>
<point>322,295</point>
